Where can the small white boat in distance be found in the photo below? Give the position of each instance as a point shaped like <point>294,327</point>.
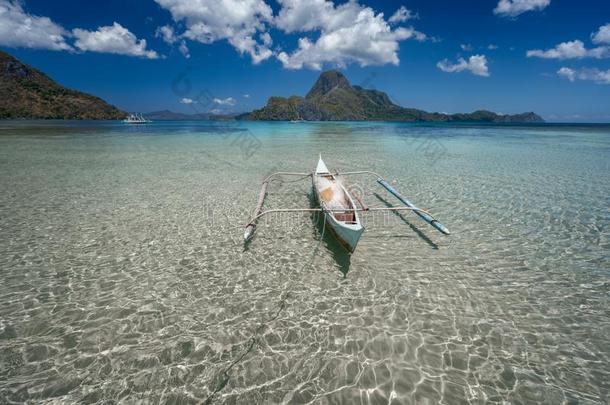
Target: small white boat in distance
<point>338,206</point>
<point>136,119</point>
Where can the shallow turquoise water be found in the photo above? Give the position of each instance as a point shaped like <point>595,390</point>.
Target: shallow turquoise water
<point>123,276</point>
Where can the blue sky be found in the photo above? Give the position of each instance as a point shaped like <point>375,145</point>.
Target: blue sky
<point>509,56</point>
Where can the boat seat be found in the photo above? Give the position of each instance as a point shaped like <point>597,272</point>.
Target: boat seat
<point>345,216</point>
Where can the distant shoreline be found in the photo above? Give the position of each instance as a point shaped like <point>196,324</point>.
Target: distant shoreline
<point>422,123</point>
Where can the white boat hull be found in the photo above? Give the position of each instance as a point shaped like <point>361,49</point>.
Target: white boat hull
<point>348,237</point>
<point>339,213</point>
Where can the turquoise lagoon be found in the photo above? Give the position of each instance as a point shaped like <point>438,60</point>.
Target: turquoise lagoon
<point>123,275</point>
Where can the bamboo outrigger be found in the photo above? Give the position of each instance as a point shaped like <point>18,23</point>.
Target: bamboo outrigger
<point>338,206</point>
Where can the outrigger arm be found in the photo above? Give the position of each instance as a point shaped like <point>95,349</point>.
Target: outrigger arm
<point>262,213</point>
<point>426,216</point>
<point>261,199</point>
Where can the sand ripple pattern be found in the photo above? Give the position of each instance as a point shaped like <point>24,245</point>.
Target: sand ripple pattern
<point>123,277</point>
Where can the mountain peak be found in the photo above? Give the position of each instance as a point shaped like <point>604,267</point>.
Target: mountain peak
<point>332,98</point>
<point>328,81</point>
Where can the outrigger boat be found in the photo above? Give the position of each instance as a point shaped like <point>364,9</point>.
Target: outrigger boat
<point>337,205</point>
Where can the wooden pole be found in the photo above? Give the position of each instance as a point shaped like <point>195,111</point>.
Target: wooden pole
<point>259,206</point>
<point>359,172</point>
<point>249,231</point>
<point>285,174</point>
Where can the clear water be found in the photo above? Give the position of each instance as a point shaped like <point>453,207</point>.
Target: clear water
<point>123,276</point>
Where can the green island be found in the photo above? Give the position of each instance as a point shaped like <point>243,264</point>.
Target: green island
<point>333,98</point>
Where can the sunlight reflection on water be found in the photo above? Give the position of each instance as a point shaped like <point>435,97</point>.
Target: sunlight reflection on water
<point>123,275</point>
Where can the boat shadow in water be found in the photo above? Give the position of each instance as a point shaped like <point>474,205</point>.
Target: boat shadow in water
<point>340,254</point>
<point>406,221</point>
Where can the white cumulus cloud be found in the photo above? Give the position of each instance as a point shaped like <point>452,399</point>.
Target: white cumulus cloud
<point>401,15</point>
<point>112,39</point>
<point>349,33</point>
<point>602,36</point>
<point>336,34</point>
<point>570,50</point>
<point>476,64</point>
<point>568,73</point>
<point>184,50</point>
<point>304,15</point>
<point>225,101</point>
<point>187,100</point>
<point>240,22</point>
<point>513,8</point>
<point>595,75</point>
<point>20,29</point>
<point>168,35</point>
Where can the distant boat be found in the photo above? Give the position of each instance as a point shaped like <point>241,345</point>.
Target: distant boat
<point>136,119</point>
